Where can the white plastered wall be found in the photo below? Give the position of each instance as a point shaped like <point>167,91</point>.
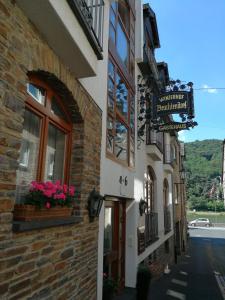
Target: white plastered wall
<point>111,171</point>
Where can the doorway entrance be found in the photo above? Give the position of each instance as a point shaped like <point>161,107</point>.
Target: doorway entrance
<point>114,240</point>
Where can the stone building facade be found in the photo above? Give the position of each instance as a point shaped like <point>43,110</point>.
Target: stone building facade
<point>59,262</point>
<point>49,43</point>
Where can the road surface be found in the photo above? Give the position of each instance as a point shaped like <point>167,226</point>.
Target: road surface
<point>199,275</point>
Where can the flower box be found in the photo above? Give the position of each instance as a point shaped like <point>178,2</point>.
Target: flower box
<point>23,212</point>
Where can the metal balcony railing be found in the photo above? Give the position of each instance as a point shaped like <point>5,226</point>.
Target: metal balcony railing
<point>90,14</point>
<point>154,138</point>
<point>167,219</point>
<point>151,228</point>
<point>150,233</point>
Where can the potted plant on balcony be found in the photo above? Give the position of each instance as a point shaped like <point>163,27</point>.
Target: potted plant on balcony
<point>46,200</point>
<point>109,287</point>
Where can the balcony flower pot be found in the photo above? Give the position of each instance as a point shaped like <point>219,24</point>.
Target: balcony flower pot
<point>26,212</point>
<point>46,200</point>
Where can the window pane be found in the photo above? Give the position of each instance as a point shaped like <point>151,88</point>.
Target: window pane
<point>110,87</point>
<point>122,45</point>
<point>36,92</point>
<point>124,13</point>
<point>121,141</point>
<point>57,110</point>
<point>112,34</point>
<point>132,135</point>
<point>110,105</point>
<point>114,5</point>
<point>112,17</point>
<point>54,164</point>
<point>28,160</point>
<point>111,70</point>
<point>110,135</point>
<point>121,96</point>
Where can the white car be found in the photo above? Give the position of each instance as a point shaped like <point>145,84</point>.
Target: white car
<point>200,222</point>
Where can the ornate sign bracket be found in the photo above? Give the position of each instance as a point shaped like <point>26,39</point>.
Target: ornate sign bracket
<point>155,108</point>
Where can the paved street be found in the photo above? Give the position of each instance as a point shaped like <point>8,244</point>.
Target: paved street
<point>199,273</point>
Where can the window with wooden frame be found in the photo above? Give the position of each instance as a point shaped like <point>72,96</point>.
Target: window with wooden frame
<point>46,138</point>
<point>150,190</point>
<point>176,194</point>
<point>122,33</point>
<point>165,193</point>
<point>120,121</point>
<point>121,103</point>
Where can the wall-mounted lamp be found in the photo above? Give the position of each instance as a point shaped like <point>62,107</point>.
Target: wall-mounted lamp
<point>95,201</point>
<point>142,206</point>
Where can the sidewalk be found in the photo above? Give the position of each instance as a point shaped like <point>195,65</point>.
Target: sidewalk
<point>127,294</point>
<point>157,288</point>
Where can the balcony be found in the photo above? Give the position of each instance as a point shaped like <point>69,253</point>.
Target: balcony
<point>149,65</point>
<point>167,219</point>
<point>90,14</point>
<point>72,28</point>
<point>168,159</point>
<point>154,144</point>
<point>149,234</point>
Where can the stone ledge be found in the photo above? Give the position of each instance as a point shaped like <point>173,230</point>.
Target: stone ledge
<point>21,226</point>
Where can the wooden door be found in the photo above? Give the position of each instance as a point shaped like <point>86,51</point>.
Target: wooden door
<point>114,240</point>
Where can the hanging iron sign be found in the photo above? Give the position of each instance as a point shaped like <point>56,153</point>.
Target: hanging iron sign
<point>175,126</point>
<point>172,103</point>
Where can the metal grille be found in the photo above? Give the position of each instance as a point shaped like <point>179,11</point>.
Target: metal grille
<point>154,138</point>
<point>90,13</point>
<point>167,219</point>
<point>94,10</point>
<point>151,228</point>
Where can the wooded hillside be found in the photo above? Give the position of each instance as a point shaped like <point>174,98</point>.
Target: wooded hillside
<point>204,168</point>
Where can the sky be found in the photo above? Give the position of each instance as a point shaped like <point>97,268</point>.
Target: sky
<point>192,39</point>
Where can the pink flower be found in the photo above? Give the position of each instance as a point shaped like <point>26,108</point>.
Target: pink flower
<point>60,196</point>
<point>39,187</point>
<point>48,193</point>
<point>47,205</point>
<point>65,187</point>
<point>72,190</point>
<point>49,185</point>
<point>57,183</point>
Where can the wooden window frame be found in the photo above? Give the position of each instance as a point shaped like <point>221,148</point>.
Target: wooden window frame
<point>150,186</point>
<point>48,117</point>
<point>125,74</point>
<point>117,116</point>
<point>165,193</point>
<point>131,44</point>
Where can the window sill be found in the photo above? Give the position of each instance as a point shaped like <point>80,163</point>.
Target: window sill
<point>118,161</point>
<point>21,226</point>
